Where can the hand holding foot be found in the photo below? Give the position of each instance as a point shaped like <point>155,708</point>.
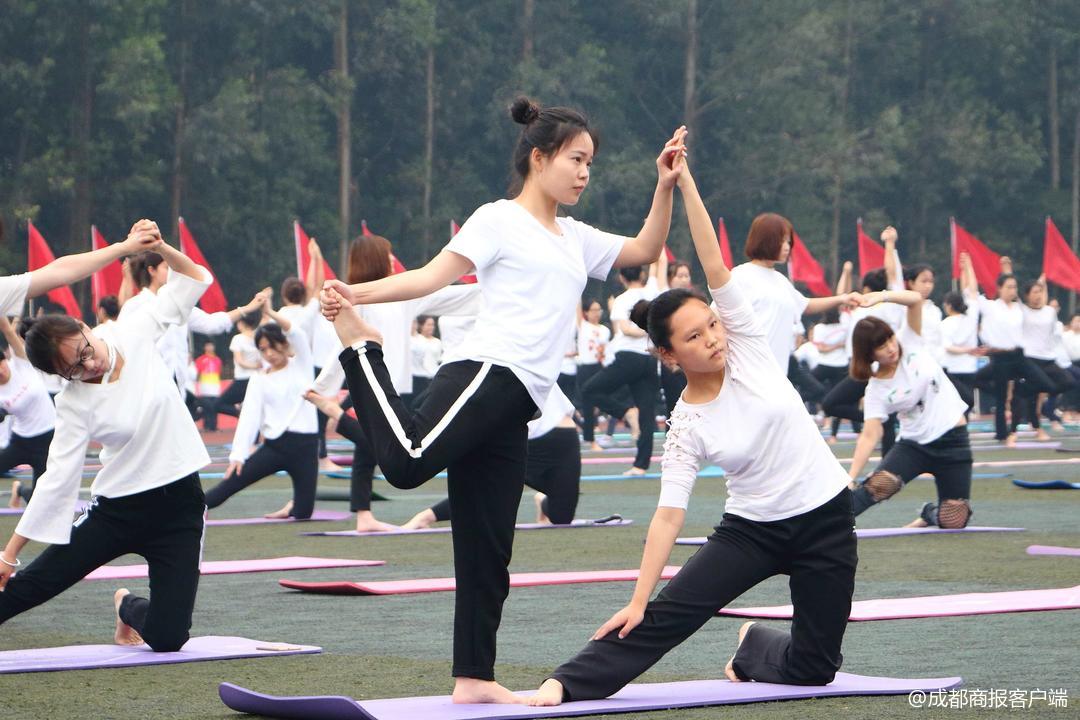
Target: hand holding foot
<point>125,634</point>
<point>348,324</point>
<point>327,406</point>
<point>549,694</point>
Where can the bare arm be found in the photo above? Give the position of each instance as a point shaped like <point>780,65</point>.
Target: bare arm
<point>648,245</point>
<point>820,305</point>
<point>868,440</point>
<point>72,268</point>
<point>659,271</point>
<point>1006,265</point>
<point>316,271</point>
<point>12,337</point>
<point>629,328</point>
<point>968,282</point>
<point>701,230</point>
<point>254,304</point>
<point>444,268</point>
<point>910,298</point>
<point>843,284</point>
<point>281,320</point>
<point>892,267</point>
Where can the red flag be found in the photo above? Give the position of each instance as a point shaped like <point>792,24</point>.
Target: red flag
<point>38,256</point>
<point>466,279</point>
<point>725,244</point>
<point>1060,263</point>
<point>107,280</point>
<point>302,257</point>
<point>213,300</point>
<point>871,255</point>
<point>396,266</point>
<point>670,256</point>
<point>804,268</point>
<point>364,229</point>
<point>985,261</point>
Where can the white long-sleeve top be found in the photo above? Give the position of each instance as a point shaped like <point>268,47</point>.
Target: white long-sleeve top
<point>274,401</point>
<point>776,462</point>
<point>148,438</point>
<point>13,289</point>
<point>394,321</point>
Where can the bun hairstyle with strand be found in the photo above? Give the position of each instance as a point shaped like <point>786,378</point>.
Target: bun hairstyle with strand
<point>545,129</point>
<point>654,317</point>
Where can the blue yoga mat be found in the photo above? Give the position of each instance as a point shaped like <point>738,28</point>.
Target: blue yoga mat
<point>1047,484</point>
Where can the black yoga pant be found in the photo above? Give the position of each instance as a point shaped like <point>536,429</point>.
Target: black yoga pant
<point>1003,367</point>
<point>163,525</point>
<point>673,382</point>
<point>295,453</point>
<point>817,549</point>
<point>472,422</point>
<point>32,451</point>
<point>363,464</point>
<point>553,468</point>
<point>809,388</point>
<point>830,376</point>
<point>1042,376</point>
<point>843,402</point>
<point>619,402</point>
<point>638,373</point>
<point>232,397</point>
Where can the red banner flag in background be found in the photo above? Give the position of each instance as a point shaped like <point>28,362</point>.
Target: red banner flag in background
<point>986,262</point>
<point>396,266</point>
<point>466,279</point>
<point>1060,263</point>
<point>213,300</point>
<point>302,257</point>
<point>802,267</point>
<point>725,244</point>
<point>107,280</point>
<point>871,255</point>
<point>38,256</point>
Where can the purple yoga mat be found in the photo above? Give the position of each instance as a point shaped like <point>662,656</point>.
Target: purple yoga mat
<point>938,605</point>
<point>636,697</point>
<point>86,657</point>
<point>227,567</point>
<point>318,515</point>
<point>866,533</point>
<point>1052,550</point>
<point>1021,445</point>
<point>441,530</point>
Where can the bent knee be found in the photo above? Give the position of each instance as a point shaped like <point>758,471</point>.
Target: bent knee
<point>883,484</point>
<point>953,514</point>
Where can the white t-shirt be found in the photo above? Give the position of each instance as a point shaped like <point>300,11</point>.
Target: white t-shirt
<point>569,361</point>
<point>924,399</point>
<point>807,353</point>
<point>325,342</point>
<point>1040,332</point>
<point>592,341</point>
<point>303,317</point>
<point>245,345</point>
<point>26,400</point>
<point>620,310</point>
<point>531,281</point>
<point>148,438</point>
<point>13,290</point>
<point>426,352</point>
<point>1002,324</point>
<point>776,302</point>
<point>931,329</point>
<point>274,401</point>
<point>961,331</point>
<point>453,330</point>
<point>555,410</point>
<point>833,334</point>
<point>1072,344</point>
<point>776,463</point>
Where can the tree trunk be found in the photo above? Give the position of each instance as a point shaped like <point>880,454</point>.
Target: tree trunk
<point>838,176</point>
<point>1054,121</point>
<point>527,30</point>
<point>82,132</point>
<point>179,125</point>
<point>429,152</point>
<point>341,63</point>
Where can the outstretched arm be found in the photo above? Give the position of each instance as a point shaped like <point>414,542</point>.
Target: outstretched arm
<point>702,232</point>
<point>911,298</point>
<point>12,337</point>
<point>444,268</point>
<point>144,235</point>
<point>316,271</point>
<point>648,245</point>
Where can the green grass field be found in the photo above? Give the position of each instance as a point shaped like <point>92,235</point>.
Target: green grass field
<point>401,645</point>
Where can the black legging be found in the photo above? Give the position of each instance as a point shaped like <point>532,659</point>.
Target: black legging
<point>295,453</point>
<point>1004,366</point>
<point>32,451</point>
<point>637,372</point>
<point>1042,374</point>
<point>830,376</point>
<point>232,397</point>
<point>809,389</point>
<point>673,382</point>
<point>363,464</point>
<point>843,402</point>
<point>620,402</point>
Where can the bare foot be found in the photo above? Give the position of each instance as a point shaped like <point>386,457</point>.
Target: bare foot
<point>125,634</point>
<point>327,406</point>
<point>1010,442</point>
<point>634,471</point>
<point>1042,435</point>
<point>596,447</point>
<point>729,669</point>
<point>633,419</point>
<point>423,519</point>
<point>538,500</point>
<point>471,690</point>
<point>831,440</point>
<point>280,514</point>
<point>549,694</point>
<point>15,501</point>
<point>350,327</point>
<point>366,522</point>
<point>917,523</point>
<point>328,465</point>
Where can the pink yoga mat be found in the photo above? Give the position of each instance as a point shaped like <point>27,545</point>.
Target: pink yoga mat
<point>1053,550</point>
<point>1021,445</point>
<point>442,530</point>
<point>226,567</point>
<point>635,697</point>
<point>85,657</point>
<point>317,516</point>
<point>868,533</point>
<point>400,587</point>
<point>938,605</point>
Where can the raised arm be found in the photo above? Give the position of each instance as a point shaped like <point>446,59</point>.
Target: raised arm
<point>703,233</point>
<point>843,284</point>
<point>968,282</point>
<point>648,245</point>
<point>144,235</point>
<point>909,298</point>
<point>179,262</point>
<point>316,270</point>
<point>659,270</point>
<point>13,338</point>
<point>893,276</point>
<point>1006,265</point>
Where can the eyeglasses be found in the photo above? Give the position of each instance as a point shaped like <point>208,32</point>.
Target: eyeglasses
<point>77,370</point>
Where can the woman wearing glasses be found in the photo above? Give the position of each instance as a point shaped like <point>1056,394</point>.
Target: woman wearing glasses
<point>146,499</point>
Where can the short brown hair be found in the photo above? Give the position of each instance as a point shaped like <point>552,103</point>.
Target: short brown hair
<point>294,291</point>
<point>766,236</point>
<point>369,259</point>
<point>869,334</point>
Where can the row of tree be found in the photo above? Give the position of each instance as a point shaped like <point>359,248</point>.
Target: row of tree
<point>242,115</point>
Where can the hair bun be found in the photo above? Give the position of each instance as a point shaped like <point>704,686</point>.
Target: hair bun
<point>25,323</point>
<point>524,110</point>
<point>639,314</point>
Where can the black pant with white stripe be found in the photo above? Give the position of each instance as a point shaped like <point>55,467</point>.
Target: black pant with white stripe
<point>553,468</point>
<point>163,525</point>
<point>472,422</point>
<point>295,453</point>
<point>817,549</point>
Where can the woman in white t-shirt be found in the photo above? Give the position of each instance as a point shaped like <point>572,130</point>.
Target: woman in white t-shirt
<point>146,499</point>
<point>960,341</point>
<point>933,435</point>
<point>788,509</point>
<point>592,344</point>
<point>1041,333</point>
<point>425,352</point>
<point>532,266</point>
<point>830,338</point>
<point>247,360</point>
<point>25,400</point>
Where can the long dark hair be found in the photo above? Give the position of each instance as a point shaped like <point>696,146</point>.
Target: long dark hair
<point>869,334</point>
<point>546,129</point>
